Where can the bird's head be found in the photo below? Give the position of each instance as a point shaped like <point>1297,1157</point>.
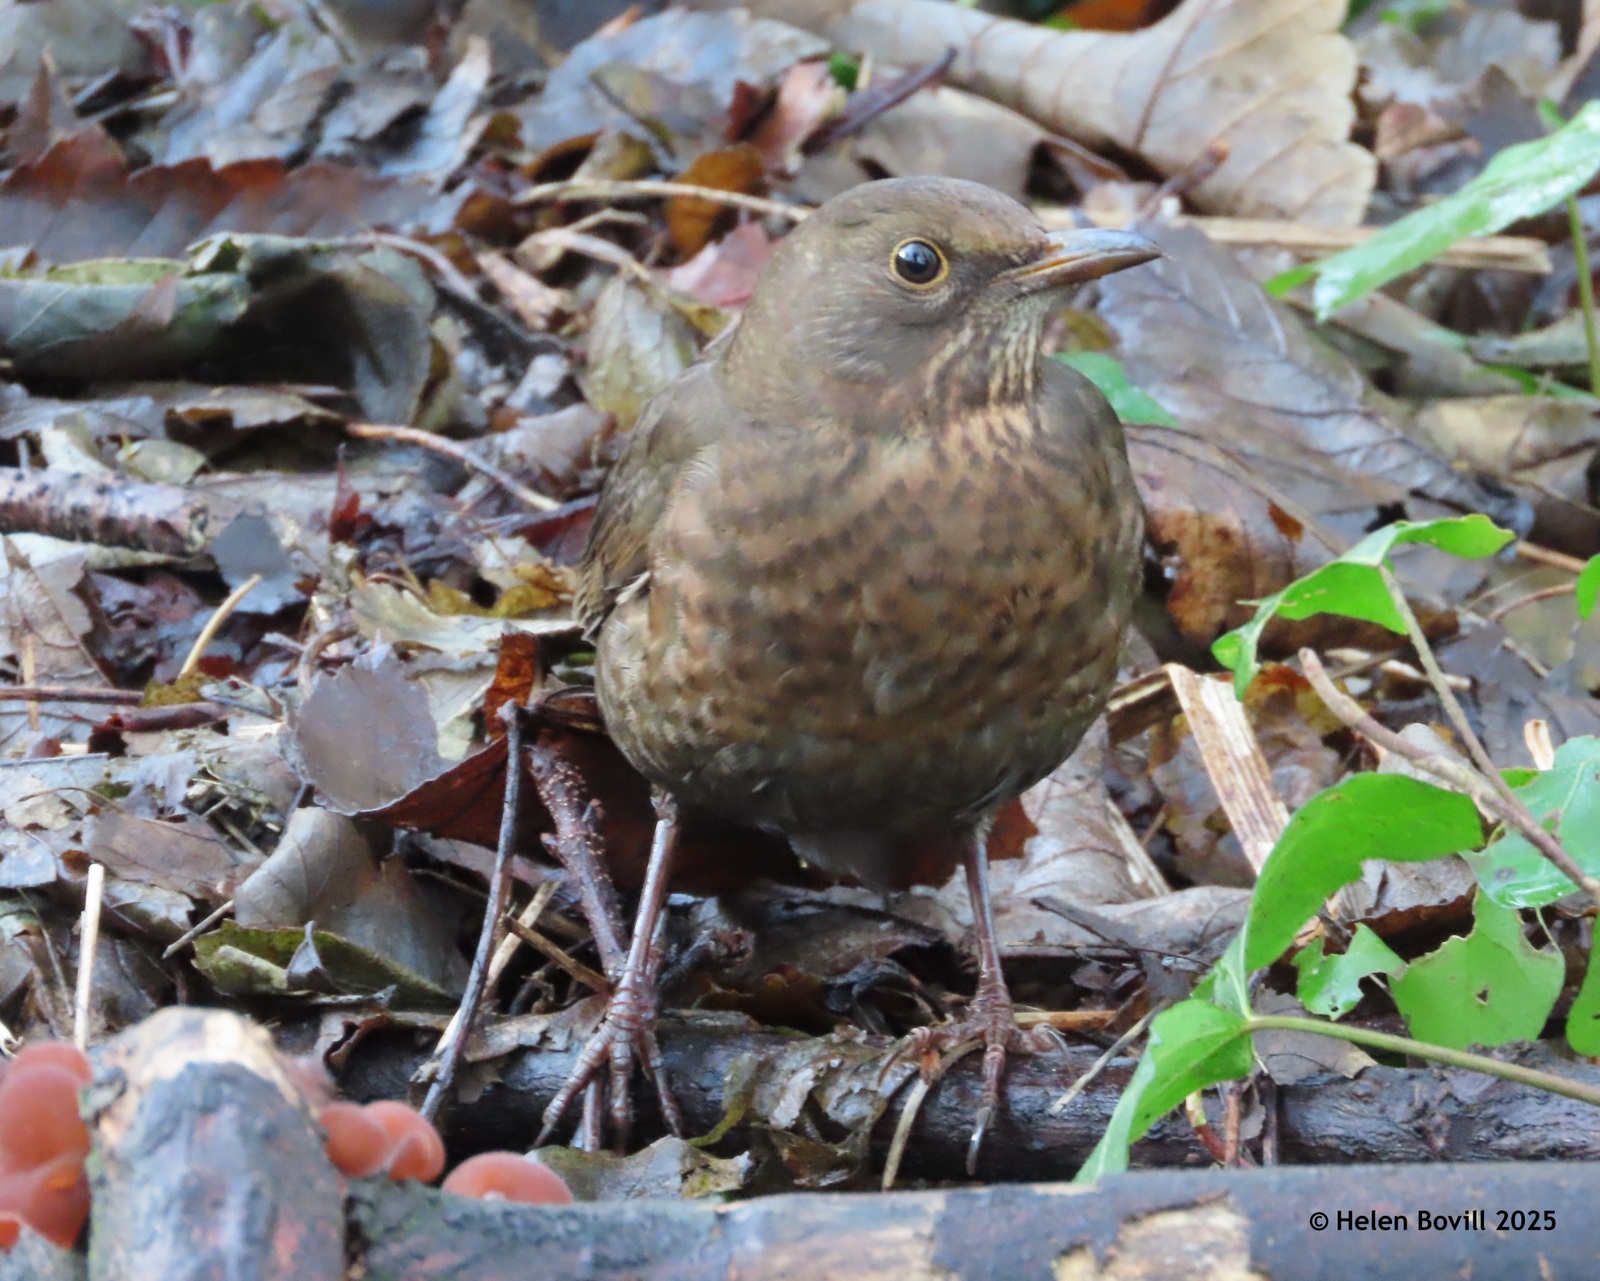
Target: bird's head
<point>911,294</point>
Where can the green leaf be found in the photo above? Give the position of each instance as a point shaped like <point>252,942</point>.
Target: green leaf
<point>256,962</point>
<point>1486,989</point>
<point>1191,1046</point>
<point>1413,15</point>
<point>1331,984</point>
<point>1352,586</point>
<point>1566,799</point>
<point>1588,587</point>
<point>1106,373</point>
<point>845,70</point>
<point>1583,1019</point>
<point>1367,816</point>
<point>1521,181</point>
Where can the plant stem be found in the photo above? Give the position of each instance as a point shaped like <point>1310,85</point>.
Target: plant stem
<point>1455,774</point>
<point>1430,665</point>
<point>1404,1045</point>
<point>1580,251</point>
<point>1511,810</point>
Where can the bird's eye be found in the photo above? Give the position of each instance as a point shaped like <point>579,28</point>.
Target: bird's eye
<point>918,263</point>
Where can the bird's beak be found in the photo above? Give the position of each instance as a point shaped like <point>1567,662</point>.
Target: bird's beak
<point>1071,257</point>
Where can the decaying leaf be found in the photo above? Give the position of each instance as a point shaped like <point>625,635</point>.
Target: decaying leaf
<point>1268,80</point>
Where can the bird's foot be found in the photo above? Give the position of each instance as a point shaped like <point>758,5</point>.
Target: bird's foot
<point>990,1024</point>
<point>628,1029</point>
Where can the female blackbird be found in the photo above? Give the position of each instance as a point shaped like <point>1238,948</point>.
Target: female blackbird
<point>861,574</point>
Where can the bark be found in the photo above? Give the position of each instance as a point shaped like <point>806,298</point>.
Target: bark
<point>1219,1225</point>
<point>109,510</point>
<point>1388,1114</point>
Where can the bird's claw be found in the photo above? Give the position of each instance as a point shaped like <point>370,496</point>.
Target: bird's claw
<point>627,1029</point>
<point>990,1023</point>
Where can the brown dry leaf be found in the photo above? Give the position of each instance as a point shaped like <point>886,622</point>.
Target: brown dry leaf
<point>1284,722</point>
<point>334,871</point>
<point>1269,80</point>
<point>43,625</point>
<point>808,98</point>
<point>184,857</point>
<point>1297,457</point>
<point>87,38</point>
<point>80,201</point>
<point>1507,694</point>
<point>938,130</point>
<point>637,346</point>
<point>1290,1057</point>
<point>724,274</point>
<point>1395,897</point>
<point>669,1167</point>
<point>535,303</point>
<point>1545,442</point>
<point>691,221</point>
<point>676,74</point>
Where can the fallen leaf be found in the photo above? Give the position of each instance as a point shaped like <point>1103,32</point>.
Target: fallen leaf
<point>1269,81</point>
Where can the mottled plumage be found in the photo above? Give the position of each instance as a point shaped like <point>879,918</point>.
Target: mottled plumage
<point>862,573</point>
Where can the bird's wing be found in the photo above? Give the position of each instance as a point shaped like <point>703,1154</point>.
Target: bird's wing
<point>681,423</point>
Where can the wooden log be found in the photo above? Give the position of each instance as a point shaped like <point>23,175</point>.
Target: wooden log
<point>208,1165</point>
<point>1215,1225</point>
<point>1387,1114</point>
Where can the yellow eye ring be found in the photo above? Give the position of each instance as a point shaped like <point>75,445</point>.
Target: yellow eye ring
<point>918,263</point>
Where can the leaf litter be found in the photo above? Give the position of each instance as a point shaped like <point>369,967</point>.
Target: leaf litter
<point>216,262</point>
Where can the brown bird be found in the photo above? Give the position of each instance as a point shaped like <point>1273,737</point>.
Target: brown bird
<point>861,574</point>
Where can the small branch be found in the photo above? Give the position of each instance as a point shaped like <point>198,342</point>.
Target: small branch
<point>868,104</point>
<point>1104,1061</point>
<point>1544,556</point>
<point>1533,598</point>
<point>1454,774</point>
<point>553,951</point>
<point>623,189</point>
<point>453,1044</point>
<point>70,694</point>
<point>1512,808</point>
<point>1486,253</point>
<point>1066,1020</point>
<point>463,455</point>
<point>1548,1081</point>
<point>194,932</point>
<point>88,941</point>
<point>214,624</point>
<point>1436,677</point>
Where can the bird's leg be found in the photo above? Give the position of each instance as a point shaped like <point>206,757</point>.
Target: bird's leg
<point>990,1018</point>
<point>629,1023</point>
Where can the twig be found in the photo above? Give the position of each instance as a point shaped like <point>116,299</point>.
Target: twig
<point>1454,774</point>
<point>450,449</point>
<point>1101,1063</point>
<point>453,1044</point>
<point>88,941</point>
<point>552,950</point>
<point>913,1105</point>
<point>214,624</point>
<point>194,932</point>
<point>1497,253</point>
<point>869,103</point>
<point>1066,1020</point>
<point>1544,556</point>
<point>70,694</point>
<point>624,188</point>
<point>1533,598</point>
<point>1454,710</point>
